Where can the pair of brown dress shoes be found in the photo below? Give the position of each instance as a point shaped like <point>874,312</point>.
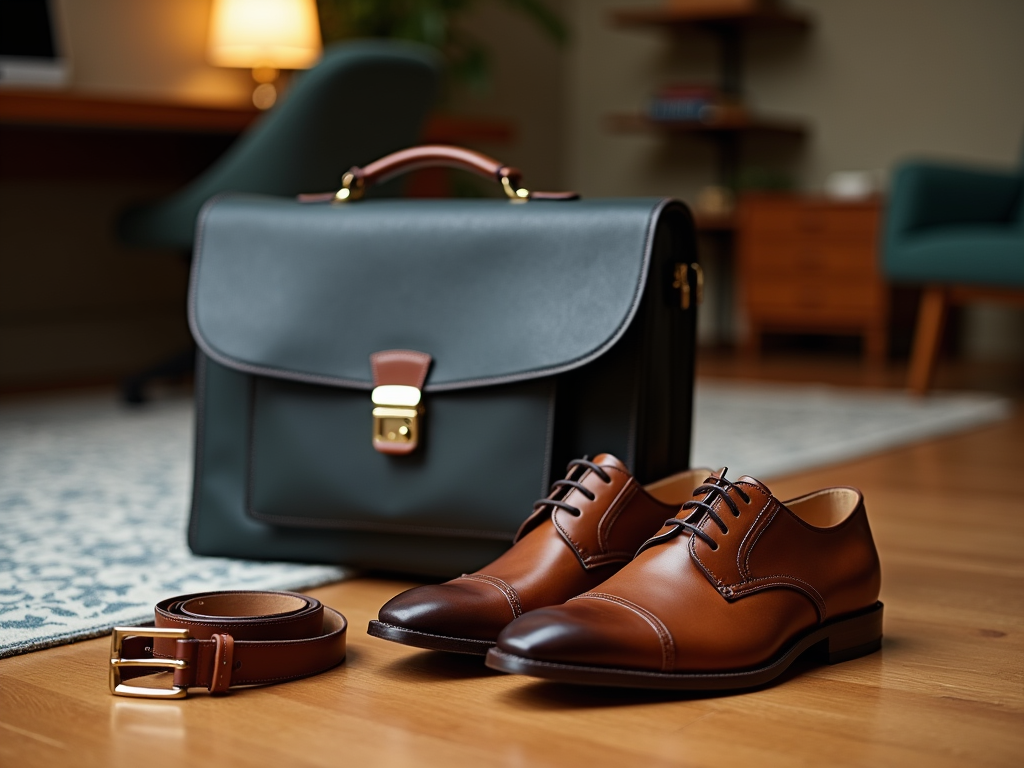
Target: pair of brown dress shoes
<point>724,594</point>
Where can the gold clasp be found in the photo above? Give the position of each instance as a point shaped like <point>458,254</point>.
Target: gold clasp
<point>352,188</point>
<point>699,272</point>
<point>681,280</point>
<point>515,195</point>
<point>116,663</point>
<point>396,418</point>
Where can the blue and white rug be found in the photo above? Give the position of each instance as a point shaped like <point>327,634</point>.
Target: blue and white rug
<point>769,430</point>
<point>94,501</point>
<point>94,497</point>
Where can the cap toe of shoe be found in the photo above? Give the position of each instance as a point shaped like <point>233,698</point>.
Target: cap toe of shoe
<point>586,632</point>
<point>451,610</point>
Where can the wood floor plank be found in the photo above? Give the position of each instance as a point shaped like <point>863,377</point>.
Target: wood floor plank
<point>947,688</point>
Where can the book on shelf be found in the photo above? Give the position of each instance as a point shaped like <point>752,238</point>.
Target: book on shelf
<point>693,104</point>
<point>721,6</point>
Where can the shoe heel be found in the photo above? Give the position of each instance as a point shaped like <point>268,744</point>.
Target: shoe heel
<point>856,636</point>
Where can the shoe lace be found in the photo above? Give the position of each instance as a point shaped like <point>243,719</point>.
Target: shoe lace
<point>712,488</point>
<point>574,471</point>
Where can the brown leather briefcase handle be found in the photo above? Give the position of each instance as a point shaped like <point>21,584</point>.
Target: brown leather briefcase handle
<point>223,639</point>
<point>357,180</point>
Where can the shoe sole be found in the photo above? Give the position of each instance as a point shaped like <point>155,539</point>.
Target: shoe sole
<point>846,638</point>
<point>427,640</point>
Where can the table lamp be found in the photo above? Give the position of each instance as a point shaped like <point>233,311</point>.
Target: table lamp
<point>266,35</point>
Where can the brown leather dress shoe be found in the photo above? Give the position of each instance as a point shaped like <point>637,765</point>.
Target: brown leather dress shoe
<point>727,595</point>
<point>591,524</point>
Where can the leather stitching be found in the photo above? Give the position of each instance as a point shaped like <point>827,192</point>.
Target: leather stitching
<point>614,510</point>
<point>668,648</point>
<point>704,567</point>
<point>782,579</point>
<point>615,556</point>
<point>746,561</point>
<point>581,550</point>
<point>502,586</point>
<point>811,592</point>
<point>744,567</point>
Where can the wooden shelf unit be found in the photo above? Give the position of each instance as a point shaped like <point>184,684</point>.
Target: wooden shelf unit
<point>729,27</point>
<point>631,123</point>
<point>761,18</point>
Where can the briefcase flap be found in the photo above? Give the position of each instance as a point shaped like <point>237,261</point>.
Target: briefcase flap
<point>494,291</point>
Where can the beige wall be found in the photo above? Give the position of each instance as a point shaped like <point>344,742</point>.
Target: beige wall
<point>155,49</point>
<point>148,49</point>
<point>877,81</point>
<point>527,88</point>
<point>76,306</point>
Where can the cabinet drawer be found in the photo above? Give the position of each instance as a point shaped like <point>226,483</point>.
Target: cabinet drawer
<point>853,224</point>
<point>768,219</point>
<point>811,256</point>
<point>813,298</point>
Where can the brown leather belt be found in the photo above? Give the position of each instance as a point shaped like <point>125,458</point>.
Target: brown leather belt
<point>223,639</point>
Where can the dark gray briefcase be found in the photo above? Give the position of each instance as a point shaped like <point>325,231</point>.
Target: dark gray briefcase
<point>507,337</point>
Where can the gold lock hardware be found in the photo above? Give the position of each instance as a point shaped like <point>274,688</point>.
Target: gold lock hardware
<point>396,418</point>
<point>681,280</point>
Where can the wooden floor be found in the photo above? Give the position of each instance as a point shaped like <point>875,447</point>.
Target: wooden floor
<point>947,688</point>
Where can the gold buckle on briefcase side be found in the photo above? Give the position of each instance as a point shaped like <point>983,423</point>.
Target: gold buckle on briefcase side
<point>681,280</point>
<point>396,418</point>
<point>116,662</point>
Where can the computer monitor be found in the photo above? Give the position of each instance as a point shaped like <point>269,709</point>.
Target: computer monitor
<point>31,53</point>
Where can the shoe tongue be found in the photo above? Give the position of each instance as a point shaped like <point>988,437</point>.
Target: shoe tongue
<point>607,460</point>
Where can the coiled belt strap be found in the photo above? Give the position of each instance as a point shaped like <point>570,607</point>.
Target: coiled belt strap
<point>223,639</point>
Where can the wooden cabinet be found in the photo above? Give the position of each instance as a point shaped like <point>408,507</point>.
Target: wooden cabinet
<point>810,265</point>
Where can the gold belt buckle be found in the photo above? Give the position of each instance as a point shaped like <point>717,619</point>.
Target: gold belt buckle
<point>396,416</point>
<point>116,662</point>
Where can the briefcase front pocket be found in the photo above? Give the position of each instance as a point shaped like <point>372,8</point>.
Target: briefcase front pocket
<point>311,462</point>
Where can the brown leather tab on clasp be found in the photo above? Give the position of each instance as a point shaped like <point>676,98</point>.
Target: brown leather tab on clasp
<point>400,366</point>
<point>398,376</point>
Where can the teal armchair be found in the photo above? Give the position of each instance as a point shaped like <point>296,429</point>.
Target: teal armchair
<point>363,100</point>
<point>959,233</point>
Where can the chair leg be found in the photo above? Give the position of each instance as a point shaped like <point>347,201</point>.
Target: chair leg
<point>930,319</point>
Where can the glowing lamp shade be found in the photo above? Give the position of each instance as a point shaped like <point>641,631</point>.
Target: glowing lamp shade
<point>266,35</point>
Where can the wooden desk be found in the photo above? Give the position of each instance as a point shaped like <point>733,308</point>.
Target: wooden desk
<point>945,690</point>
<point>66,135</point>
<point>68,109</point>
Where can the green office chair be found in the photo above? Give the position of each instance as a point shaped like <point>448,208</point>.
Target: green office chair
<point>959,232</point>
<point>363,100</point>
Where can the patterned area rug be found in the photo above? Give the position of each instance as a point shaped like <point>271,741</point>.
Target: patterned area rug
<point>768,430</point>
<point>93,506</point>
<point>94,497</point>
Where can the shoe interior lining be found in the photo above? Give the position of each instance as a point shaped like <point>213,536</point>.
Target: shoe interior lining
<point>827,508</point>
<point>678,488</point>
